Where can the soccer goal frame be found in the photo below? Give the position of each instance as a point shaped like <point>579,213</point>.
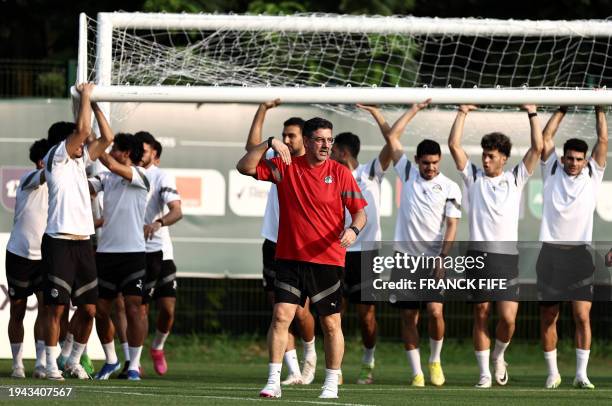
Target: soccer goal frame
<point>106,22</point>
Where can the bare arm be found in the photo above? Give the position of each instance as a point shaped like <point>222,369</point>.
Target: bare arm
<point>449,235</point>
<point>550,129</point>
<point>98,145</point>
<point>600,151</point>
<point>116,167</point>
<point>385,153</point>
<point>175,213</point>
<point>254,138</point>
<point>83,122</point>
<point>532,156</point>
<point>393,140</point>
<point>248,163</point>
<point>454,139</point>
<point>348,236</point>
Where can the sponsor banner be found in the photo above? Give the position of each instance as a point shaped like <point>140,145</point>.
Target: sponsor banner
<point>9,179</point>
<point>202,191</point>
<point>247,196</point>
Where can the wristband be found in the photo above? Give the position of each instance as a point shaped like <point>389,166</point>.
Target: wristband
<point>531,114</point>
<point>270,142</point>
<point>562,109</point>
<point>160,221</point>
<point>355,230</point>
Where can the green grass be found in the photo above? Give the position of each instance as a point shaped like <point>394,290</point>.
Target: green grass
<point>231,371</point>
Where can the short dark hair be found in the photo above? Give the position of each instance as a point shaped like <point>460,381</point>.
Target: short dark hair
<point>575,144</point>
<point>314,124</point>
<point>128,142</point>
<point>295,121</point>
<point>428,147</point>
<point>146,138</point>
<point>39,149</point>
<point>497,141</point>
<point>158,148</point>
<point>59,131</point>
<point>350,141</point>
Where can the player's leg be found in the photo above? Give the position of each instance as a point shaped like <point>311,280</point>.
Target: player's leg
<point>120,322</point>
<point>482,343</point>
<point>331,325</point>
<point>53,316</point>
<point>39,337</point>
<point>581,311</point>
<point>506,324</point>
<point>306,330</point>
<point>549,314</point>
<point>165,296</point>
<point>436,328</point>
<point>106,333</point>
<point>15,333</point>
<point>410,314</point>
<point>136,332</point>
<point>367,324</point>
<point>294,375</point>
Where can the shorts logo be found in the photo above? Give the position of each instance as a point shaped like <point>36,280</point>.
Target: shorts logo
<point>139,284</point>
<point>11,291</point>
<point>54,293</point>
<point>328,179</point>
<point>174,284</point>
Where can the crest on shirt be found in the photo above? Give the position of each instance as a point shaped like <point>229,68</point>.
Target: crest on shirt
<point>328,179</point>
<point>436,188</point>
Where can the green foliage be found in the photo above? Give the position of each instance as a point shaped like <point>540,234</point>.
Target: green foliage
<point>190,6</point>
<point>381,7</point>
<point>51,84</point>
<point>276,8</point>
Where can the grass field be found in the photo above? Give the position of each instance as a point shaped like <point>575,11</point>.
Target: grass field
<point>229,371</point>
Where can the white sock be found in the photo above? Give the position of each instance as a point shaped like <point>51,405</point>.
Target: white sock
<point>51,357</point>
<point>483,362</point>
<point>40,353</point>
<point>109,352</point>
<point>85,350</point>
<point>135,358</point>
<point>309,349</point>
<point>17,350</point>
<point>331,378</point>
<point>414,359</point>
<point>75,355</point>
<point>159,340</point>
<point>435,347</point>
<point>126,351</point>
<point>551,362</point>
<point>67,345</point>
<point>498,351</point>
<point>291,360</point>
<point>368,355</point>
<point>274,372</point>
<point>582,360</point>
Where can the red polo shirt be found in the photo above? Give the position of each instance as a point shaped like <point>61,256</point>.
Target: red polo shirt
<point>311,202</point>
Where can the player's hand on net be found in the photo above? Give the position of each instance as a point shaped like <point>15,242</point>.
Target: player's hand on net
<point>529,108</point>
<point>271,103</point>
<point>347,237</point>
<point>466,108</point>
<point>283,151</point>
<point>421,105</point>
<point>371,108</point>
<point>86,88</point>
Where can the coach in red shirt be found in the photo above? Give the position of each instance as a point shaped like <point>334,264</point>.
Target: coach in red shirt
<point>313,192</point>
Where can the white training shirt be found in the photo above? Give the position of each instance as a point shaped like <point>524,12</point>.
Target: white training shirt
<point>368,177</point>
<point>162,191</point>
<point>269,228</point>
<point>569,201</point>
<point>30,220</point>
<point>123,210</point>
<point>493,207</point>
<point>167,248</point>
<point>69,199</point>
<point>424,206</point>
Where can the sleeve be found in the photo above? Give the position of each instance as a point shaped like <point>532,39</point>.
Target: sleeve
<point>271,170</point>
<point>139,179</point>
<point>57,155</point>
<point>549,166</point>
<point>453,202</point>
<point>520,174</point>
<point>597,173</point>
<point>470,173</point>
<point>32,180</point>
<point>86,159</point>
<point>375,170</point>
<point>97,182</point>
<point>352,198</point>
<point>167,190</point>
<point>403,168</point>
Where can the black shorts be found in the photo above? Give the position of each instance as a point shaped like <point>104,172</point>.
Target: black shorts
<point>166,282</point>
<point>413,299</point>
<point>565,273</point>
<point>358,281</point>
<point>496,266</point>
<point>120,273</point>
<point>154,262</point>
<point>69,272</point>
<point>24,276</point>
<point>268,250</point>
<point>296,280</point>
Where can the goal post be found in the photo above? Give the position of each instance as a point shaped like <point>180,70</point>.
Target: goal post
<point>334,59</point>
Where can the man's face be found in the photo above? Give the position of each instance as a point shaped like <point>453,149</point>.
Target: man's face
<point>292,138</point>
<point>493,162</point>
<point>120,156</point>
<point>573,162</point>
<point>429,166</point>
<point>319,144</point>
<point>339,154</point>
<point>148,155</point>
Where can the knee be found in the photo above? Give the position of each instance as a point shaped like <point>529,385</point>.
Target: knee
<point>18,311</point>
<point>436,314</point>
<point>88,311</point>
<point>281,319</point>
<point>330,325</point>
<point>481,314</point>
<point>548,318</point>
<point>582,320</point>
<point>507,321</point>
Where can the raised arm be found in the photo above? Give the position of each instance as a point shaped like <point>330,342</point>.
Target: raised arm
<point>83,122</point>
<point>393,139</point>
<point>600,151</point>
<point>116,167</point>
<point>454,139</point>
<point>254,138</point>
<point>248,163</point>
<point>550,129</point>
<point>97,146</point>
<point>385,153</point>
<point>532,156</point>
